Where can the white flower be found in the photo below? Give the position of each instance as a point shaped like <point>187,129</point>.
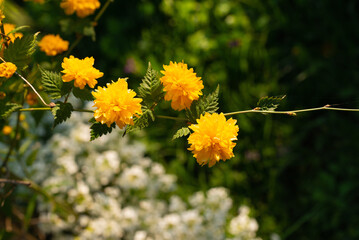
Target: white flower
<point>68,162</point>
<point>133,177</point>
<point>80,133</point>
<point>129,218</point>
<point>176,204</point>
<point>157,169</point>
<point>242,225</point>
<point>197,199</point>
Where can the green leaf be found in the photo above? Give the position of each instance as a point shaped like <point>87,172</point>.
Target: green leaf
<point>8,108</point>
<point>269,103</point>
<point>142,121</point>
<point>20,51</point>
<point>151,89</point>
<point>181,133</point>
<point>90,32</point>
<point>83,94</point>
<point>62,112</point>
<point>98,129</point>
<point>31,157</point>
<point>52,83</point>
<point>205,104</point>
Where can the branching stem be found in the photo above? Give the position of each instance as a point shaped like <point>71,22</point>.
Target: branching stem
<point>32,87</point>
<point>294,112</point>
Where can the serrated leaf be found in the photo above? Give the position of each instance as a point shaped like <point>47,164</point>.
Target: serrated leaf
<point>66,88</point>
<point>269,103</point>
<point>62,112</point>
<point>205,104</point>
<point>141,121</point>
<point>83,94</point>
<point>52,83</point>
<point>8,108</point>
<point>19,52</point>
<point>151,89</point>
<point>181,133</point>
<point>98,129</point>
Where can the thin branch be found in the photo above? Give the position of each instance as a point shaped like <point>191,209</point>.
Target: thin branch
<point>97,17</point>
<point>32,87</point>
<point>294,112</point>
<point>171,118</point>
<point>12,181</point>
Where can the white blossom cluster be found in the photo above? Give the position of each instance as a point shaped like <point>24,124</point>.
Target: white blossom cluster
<point>108,189</point>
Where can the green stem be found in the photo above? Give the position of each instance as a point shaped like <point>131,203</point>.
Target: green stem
<point>97,17</point>
<point>103,9</point>
<point>171,118</point>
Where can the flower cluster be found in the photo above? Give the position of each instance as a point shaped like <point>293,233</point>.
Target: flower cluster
<point>212,138</point>
<point>82,8</point>
<point>80,70</point>
<point>181,85</point>
<point>53,45</point>
<point>7,69</point>
<point>117,193</point>
<point>116,103</point>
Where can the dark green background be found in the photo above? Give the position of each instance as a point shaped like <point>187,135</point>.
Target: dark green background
<point>300,174</point>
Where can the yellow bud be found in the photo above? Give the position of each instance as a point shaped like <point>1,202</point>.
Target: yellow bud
<point>6,130</point>
<point>22,117</point>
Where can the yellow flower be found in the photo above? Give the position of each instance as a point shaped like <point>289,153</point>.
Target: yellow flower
<point>53,45</point>
<point>7,69</point>
<point>7,130</point>
<point>181,85</point>
<point>212,138</point>
<point>8,27</point>
<point>116,103</point>
<point>80,70</point>
<point>82,8</point>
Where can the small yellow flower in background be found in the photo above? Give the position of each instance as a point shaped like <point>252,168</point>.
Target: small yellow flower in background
<point>8,27</point>
<point>22,117</point>
<point>31,98</point>
<point>53,44</point>
<point>2,95</point>
<point>7,130</point>
<point>116,103</point>
<point>7,69</point>
<point>212,138</point>
<point>80,70</point>
<point>181,85</point>
<point>82,8</point>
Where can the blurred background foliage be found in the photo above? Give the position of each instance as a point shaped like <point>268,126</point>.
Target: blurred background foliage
<point>300,174</point>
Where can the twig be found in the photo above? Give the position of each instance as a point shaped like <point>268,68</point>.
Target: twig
<point>32,87</point>
<point>12,181</point>
<point>294,112</point>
